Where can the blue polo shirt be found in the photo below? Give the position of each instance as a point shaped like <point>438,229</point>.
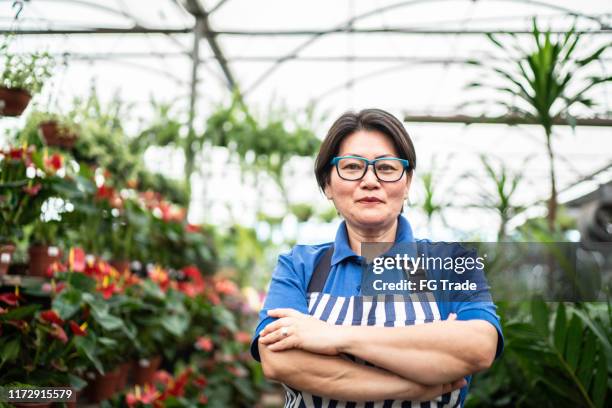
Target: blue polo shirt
<point>295,268</point>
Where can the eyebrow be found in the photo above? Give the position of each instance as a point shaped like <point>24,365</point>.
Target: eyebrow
<point>377,157</point>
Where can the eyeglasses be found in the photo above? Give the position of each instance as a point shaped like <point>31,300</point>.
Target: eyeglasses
<point>388,169</point>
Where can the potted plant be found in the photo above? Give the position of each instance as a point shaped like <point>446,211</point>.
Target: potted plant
<point>87,297</point>
<point>38,348</point>
<point>42,251</point>
<point>21,78</point>
<point>21,192</point>
<point>59,131</point>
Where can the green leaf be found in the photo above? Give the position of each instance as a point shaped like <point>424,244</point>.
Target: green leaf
<point>604,340</point>
<point>87,346</point>
<point>587,360</point>
<point>67,303</point>
<point>10,351</point>
<point>560,328</point>
<point>106,320</point>
<point>601,382</point>
<point>19,313</point>
<point>82,282</point>
<point>574,339</point>
<point>77,382</point>
<point>594,56</point>
<point>176,325</point>
<point>540,316</point>
<point>107,341</point>
<point>151,289</point>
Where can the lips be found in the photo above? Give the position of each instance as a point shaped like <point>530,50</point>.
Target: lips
<point>370,200</point>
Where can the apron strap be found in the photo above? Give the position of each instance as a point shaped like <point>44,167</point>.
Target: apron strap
<point>319,276</point>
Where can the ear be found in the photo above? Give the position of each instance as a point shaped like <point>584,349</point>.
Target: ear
<point>327,191</point>
<point>408,182</point>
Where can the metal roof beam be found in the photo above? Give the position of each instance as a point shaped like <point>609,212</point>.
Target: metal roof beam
<point>198,11</point>
<point>99,30</point>
<point>503,120</point>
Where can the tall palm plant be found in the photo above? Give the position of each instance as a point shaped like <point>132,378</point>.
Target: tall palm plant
<point>544,83</point>
<point>498,194</point>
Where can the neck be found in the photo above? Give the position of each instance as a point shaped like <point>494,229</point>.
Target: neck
<point>357,235</point>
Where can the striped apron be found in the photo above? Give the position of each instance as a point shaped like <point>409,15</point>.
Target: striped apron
<point>379,310</point>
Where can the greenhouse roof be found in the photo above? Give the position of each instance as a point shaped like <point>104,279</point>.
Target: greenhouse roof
<point>408,57</point>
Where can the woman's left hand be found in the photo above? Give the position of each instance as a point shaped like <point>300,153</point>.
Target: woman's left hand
<point>297,330</point>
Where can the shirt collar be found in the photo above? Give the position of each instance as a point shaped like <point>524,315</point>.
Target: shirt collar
<point>342,248</point>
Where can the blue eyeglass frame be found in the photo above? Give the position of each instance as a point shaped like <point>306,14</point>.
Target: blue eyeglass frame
<point>334,162</point>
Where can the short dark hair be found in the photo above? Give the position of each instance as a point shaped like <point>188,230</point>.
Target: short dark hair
<point>351,122</point>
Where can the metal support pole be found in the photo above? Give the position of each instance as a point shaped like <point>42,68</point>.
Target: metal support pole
<point>191,135</point>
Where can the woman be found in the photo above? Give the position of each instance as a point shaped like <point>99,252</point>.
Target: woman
<point>327,343</point>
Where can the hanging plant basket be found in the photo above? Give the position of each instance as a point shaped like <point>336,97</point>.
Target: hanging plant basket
<point>13,101</point>
<point>6,254</point>
<point>57,135</point>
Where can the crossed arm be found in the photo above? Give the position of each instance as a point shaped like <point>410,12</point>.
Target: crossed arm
<point>337,378</point>
<point>439,353</point>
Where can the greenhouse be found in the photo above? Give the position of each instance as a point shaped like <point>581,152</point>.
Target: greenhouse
<point>188,219</point>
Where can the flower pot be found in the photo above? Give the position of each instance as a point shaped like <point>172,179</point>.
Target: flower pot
<point>121,266</point>
<point>13,101</point>
<point>144,369</point>
<point>57,135</point>
<point>41,258</point>
<point>104,386</point>
<point>6,254</point>
<point>124,373</point>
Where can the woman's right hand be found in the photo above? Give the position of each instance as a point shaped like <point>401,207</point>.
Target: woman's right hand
<point>419,392</point>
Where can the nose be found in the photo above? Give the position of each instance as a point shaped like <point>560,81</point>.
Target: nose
<point>370,179</point>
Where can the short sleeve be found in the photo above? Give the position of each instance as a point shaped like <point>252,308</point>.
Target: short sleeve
<point>474,304</point>
<point>287,290</point>
<point>482,311</point>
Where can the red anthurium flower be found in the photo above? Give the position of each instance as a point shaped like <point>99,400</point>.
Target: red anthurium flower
<point>162,377</point>
<point>59,333</point>
<point>213,297</point>
<point>33,189</point>
<point>178,388</point>
<point>54,268</point>
<point>10,299</point>
<point>105,192</point>
<point>203,399</point>
<point>76,260</point>
<point>200,381</point>
<point>53,287</point>
<point>17,154</point>
<point>108,291</point>
<point>204,343</point>
<point>148,395</point>
<point>54,162</point>
<point>243,337</point>
<point>160,276</point>
<point>22,325</point>
<point>78,330</point>
<point>194,274</point>
<point>226,287</point>
<point>192,228</point>
<point>190,289</point>
<point>51,317</point>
